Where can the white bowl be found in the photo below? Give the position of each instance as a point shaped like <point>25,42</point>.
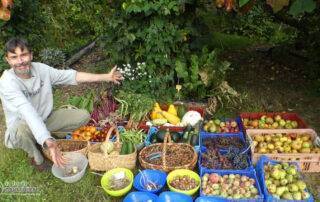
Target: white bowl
<point>74,159</point>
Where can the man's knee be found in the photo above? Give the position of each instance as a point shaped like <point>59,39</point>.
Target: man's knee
<point>84,116</point>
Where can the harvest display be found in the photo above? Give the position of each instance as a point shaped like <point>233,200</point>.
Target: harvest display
<point>174,137</point>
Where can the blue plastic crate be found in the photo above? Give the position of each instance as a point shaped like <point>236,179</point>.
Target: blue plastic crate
<point>260,173</point>
<point>203,149</point>
<point>251,174</point>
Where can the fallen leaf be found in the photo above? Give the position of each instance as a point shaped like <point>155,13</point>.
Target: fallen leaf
<point>277,5</point>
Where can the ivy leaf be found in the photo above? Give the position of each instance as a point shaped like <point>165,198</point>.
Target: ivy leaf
<point>301,6</point>
<point>243,2</point>
<point>277,5</point>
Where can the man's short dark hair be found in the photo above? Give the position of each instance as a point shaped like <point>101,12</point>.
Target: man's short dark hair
<point>13,43</point>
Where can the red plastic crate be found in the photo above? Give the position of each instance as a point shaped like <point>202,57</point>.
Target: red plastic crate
<point>190,107</point>
<point>284,115</point>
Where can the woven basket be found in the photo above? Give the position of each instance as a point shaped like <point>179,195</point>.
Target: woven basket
<point>100,161</point>
<point>68,146</point>
<point>165,149</point>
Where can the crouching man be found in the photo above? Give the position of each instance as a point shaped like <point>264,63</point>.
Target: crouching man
<point>27,100</point>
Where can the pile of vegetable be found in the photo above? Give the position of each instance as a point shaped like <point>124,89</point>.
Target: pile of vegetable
<point>174,116</point>
<point>131,139</point>
<point>134,107</point>
<point>231,186</point>
<point>190,135</point>
<point>90,133</point>
<point>183,182</point>
<point>107,147</point>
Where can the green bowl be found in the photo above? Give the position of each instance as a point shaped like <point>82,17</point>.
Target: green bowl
<point>105,181</point>
<point>180,172</point>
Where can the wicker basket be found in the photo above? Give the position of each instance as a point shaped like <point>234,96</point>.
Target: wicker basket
<point>164,148</point>
<point>308,162</point>
<point>100,161</point>
<point>68,146</point>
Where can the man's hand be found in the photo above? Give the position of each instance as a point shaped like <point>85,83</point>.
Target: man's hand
<point>115,76</point>
<point>55,153</point>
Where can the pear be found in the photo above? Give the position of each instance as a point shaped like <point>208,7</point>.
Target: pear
<point>293,188</point>
<point>294,124</point>
<point>284,182</point>
<point>213,128</point>
<point>297,196</point>
<point>302,185</point>
<point>287,195</point>
<point>292,170</point>
<point>282,122</point>
<point>276,173</point>
<point>272,188</point>
<point>277,118</point>
<point>217,121</point>
<point>280,190</point>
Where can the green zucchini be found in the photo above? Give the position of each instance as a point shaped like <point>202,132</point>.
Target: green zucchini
<point>160,135</point>
<point>130,148</point>
<point>194,140</point>
<point>124,148</point>
<point>175,136</point>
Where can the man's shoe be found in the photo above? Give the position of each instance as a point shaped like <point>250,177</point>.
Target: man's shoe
<point>45,166</point>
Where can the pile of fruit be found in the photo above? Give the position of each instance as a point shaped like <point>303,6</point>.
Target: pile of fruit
<point>90,133</point>
<point>219,126</point>
<point>232,186</point>
<point>283,182</point>
<point>233,159</point>
<point>283,143</point>
<point>267,122</point>
<point>223,142</point>
<point>183,182</point>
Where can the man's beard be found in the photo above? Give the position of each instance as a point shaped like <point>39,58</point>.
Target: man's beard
<point>23,71</point>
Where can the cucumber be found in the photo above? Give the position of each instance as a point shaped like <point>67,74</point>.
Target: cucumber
<point>124,148</point>
<point>130,148</point>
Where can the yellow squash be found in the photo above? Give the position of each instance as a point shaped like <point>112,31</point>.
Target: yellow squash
<point>172,110</point>
<point>175,120</point>
<point>156,112</point>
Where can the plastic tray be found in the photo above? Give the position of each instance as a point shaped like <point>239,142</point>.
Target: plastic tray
<point>251,174</point>
<point>203,149</point>
<point>260,173</point>
<point>285,115</point>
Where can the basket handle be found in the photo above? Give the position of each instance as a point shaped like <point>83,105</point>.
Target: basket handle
<point>167,139</point>
<point>113,128</point>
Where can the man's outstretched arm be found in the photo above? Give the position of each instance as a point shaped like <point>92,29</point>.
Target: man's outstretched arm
<point>113,76</point>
